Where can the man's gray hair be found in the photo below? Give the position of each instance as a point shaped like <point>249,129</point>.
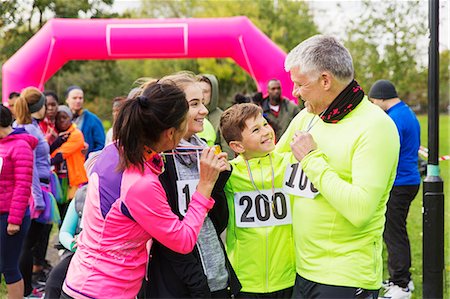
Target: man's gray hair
<point>321,53</point>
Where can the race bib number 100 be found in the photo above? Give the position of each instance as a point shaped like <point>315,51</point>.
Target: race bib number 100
<point>297,183</point>
<point>260,209</point>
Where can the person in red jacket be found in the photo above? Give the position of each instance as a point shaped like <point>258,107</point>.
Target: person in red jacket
<point>16,172</point>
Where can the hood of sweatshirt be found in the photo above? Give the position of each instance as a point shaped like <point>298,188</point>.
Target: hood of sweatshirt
<point>20,133</point>
<point>214,92</point>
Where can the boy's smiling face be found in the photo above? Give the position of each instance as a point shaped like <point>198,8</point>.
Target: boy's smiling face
<point>258,138</point>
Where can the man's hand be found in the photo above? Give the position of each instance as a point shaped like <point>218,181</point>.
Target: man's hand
<point>302,144</point>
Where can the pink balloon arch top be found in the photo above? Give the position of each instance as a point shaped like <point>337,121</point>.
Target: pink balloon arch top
<point>62,40</point>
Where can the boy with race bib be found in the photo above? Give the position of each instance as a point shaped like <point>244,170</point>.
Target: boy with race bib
<point>259,232</point>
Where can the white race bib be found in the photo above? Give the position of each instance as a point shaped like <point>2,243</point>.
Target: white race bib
<point>297,183</point>
<point>185,189</point>
<point>253,209</point>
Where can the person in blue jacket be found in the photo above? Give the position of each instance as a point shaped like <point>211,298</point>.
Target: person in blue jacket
<point>86,121</point>
<point>406,186</point>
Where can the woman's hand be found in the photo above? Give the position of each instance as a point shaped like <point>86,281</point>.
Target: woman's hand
<point>74,244</point>
<point>12,229</point>
<point>223,159</point>
<point>210,167</point>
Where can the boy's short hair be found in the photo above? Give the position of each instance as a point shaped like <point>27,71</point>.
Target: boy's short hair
<point>232,121</point>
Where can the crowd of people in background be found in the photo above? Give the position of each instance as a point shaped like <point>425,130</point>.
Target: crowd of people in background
<point>181,199</point>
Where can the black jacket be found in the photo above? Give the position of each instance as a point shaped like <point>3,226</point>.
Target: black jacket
<point>288,110</point>
<point>175,275</point>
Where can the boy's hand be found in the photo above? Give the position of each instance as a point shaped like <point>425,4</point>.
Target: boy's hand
<point>210,167</point>
<point>302,144</point>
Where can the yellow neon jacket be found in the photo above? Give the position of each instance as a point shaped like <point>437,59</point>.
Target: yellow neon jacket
<point>262,257</point>
<point>338,234</point>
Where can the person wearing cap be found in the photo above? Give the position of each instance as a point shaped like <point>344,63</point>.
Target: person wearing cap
<point>67,155</point>
<point>406,186</point>
<point>29,109</point>
<point>348,151</point>
<point>86,121</point>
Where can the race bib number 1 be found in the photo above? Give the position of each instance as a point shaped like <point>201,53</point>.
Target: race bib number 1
<point>297,183</point>
<point>185,189</point>
<point>260,209</point>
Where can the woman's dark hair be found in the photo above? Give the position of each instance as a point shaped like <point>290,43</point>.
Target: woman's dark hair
<point>5,117</point>
<point>13,94</point>
<point>51,93</point>
<point>142,119</point>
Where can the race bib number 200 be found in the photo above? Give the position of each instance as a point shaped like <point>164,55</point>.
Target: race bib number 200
<point>260,209</point>
<point>297,183</point>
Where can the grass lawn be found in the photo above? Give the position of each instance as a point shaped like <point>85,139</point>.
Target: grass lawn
<point>415,214</point>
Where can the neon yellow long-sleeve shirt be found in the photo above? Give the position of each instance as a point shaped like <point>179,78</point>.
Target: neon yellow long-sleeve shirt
<point>338,234</point>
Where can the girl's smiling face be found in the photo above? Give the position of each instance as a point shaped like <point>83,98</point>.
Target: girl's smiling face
<point>197,110</point>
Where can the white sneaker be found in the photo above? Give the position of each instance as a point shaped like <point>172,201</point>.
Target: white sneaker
<point>387,284</point>
<point>396,292</point>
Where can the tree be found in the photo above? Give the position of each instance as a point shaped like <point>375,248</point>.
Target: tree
<point>387,41</point>
<point>286,22</point>
<point>106,79</point>
<point>20,20</point>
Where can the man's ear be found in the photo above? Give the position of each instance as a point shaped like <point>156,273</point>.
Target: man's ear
<point>237,147</point>
<point>326,80</point>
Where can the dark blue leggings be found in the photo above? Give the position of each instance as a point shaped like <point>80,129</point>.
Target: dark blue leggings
<point>10,249</point>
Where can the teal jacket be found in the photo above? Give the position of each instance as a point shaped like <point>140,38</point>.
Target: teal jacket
<point>338,234</point>
<point>262,254</point>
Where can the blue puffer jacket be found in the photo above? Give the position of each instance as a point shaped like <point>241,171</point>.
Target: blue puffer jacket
<point>93,132</point>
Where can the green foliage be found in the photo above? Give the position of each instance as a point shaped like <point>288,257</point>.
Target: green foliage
<point>444,79</point>
<point>275,21</point>
<point>386,42</point>
<point>20,20</point>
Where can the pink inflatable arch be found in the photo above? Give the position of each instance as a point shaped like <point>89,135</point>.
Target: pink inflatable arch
<point>62,40</point>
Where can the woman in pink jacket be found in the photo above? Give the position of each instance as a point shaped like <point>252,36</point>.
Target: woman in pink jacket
<point>126,206</point>
<point>16,172</point>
